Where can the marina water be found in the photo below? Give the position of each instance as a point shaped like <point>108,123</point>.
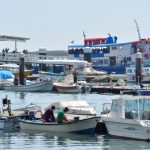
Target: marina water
<point>41,141</point>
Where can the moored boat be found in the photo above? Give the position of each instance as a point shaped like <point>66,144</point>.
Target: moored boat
<point>35,87</point>
<point>86,125</point>
<point>66,88</point>
<point>81,119</point>
<point>129,117</point>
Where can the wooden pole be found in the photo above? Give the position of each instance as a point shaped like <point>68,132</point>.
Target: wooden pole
<point>21,69</point>
<point>138,67</point>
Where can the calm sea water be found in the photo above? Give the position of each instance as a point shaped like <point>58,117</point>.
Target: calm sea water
<point>42,141</point>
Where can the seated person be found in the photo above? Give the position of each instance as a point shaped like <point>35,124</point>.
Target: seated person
<point>15,81</point>
<point>49,115</point>
<point>61,115</point>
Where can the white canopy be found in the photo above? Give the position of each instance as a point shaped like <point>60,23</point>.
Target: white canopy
<point>75,107</point>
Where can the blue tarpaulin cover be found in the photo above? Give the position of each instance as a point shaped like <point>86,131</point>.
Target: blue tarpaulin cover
<point>6,75</point>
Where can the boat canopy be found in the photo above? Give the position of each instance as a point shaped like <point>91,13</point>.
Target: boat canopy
<point>65,62</point>
<point>79,107</point>
<point>64,104</point>
<point>6,75</point>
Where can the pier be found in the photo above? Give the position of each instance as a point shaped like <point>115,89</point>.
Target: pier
<point>113,89</point>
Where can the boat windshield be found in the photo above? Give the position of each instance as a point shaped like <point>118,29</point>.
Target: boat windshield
<point>133,108</point>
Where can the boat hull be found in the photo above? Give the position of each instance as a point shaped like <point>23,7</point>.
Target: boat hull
<point>1,124</point>
<point>37,87</point>
<point>127,128</point>
<point>79,126</point>
<point>63,88</point>
<point>143,92</point>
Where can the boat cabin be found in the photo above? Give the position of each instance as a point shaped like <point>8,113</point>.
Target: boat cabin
<point>135,107</point>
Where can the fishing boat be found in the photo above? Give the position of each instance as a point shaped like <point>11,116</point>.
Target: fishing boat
<point>35,87</point>
<point>75,126</point>
<point>82,119</point>
<point>129,117</point>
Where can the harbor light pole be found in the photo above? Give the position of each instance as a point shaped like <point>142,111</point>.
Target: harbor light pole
<point>138,56</point>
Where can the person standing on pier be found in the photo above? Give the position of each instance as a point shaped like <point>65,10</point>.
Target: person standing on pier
<point>75,75</point>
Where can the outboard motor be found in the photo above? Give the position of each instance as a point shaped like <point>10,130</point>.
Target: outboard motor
<point>6,102</point>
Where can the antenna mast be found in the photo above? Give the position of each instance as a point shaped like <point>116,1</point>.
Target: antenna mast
<point>84,36</point>
<point>138,30</point>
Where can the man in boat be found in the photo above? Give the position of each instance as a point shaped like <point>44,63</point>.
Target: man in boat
<point>49,115</point>
<point>61,115</point>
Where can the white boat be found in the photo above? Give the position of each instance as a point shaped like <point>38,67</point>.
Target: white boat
<point>129,117</point>
<point>86,125</point>
<point>66,88</point>
<point>67,85</point>
<point>35,87</point>
<point>82,119</point>
<point>131,74</point>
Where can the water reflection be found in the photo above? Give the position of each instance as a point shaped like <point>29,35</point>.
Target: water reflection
<point>62,140</point>
<point>22,95</point>
<point>37,140</point>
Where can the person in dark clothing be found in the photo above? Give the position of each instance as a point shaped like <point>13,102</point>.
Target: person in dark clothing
<point>15,81</point>
<point>75,75</point>
<point>49,115</point>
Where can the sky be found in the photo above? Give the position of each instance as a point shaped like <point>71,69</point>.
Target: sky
<point>53,24</point>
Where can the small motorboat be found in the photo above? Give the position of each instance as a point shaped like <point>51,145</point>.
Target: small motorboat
<point>67,88</point>
<point>82,119</point>
<point>35,87</point>
<point>86,125</point>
